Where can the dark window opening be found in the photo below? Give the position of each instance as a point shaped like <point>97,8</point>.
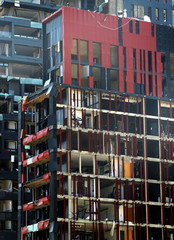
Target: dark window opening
<point>83,51</point>
<point>152,29</point>
<point>97,77</point>
<point>150,12</point>
<point>155,211</point>
<point>130,26</point>
<point>164,87</point>
<point>140,59</point>
<point>134,58</point>
<point>96,53</point>
<point>163,61</point>
<point>153,149</point>
<point>137,27</point>
<point>114,55</point>
<point>152,127</point>
<point>74,74</point>
<point>124,57</point>
<point>150,60</point>
<point>151,107</point>
<point>74,50</point>
<point>29,88</point>
<point>114,80</point>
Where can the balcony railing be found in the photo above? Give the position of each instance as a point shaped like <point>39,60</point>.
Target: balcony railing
<point>8,216</point>
<point>6,195</point>
<point>8,174</point>
<point>5,34</point>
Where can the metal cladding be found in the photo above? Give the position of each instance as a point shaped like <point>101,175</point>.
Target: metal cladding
<point>100,163</point>
<point>140,67</point>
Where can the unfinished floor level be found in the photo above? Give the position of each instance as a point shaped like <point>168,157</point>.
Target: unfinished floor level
<point>99,166</point>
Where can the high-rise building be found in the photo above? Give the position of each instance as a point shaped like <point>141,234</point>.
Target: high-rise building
<point>20,74</point>
<point>99,164</point>
<point>159,11</point>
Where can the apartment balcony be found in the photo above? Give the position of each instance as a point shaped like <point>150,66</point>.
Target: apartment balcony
<point>8,234</point>
<point>37,160</point>
<point>35,5</point>
<point>42,135</point>
<point>6,154</point>
<point>41,203</point>
<point>5,195</point>
<point>5,35</point>
<point>10,117</point>
<point>12,216</point>
<point>8,175</point>
<point>9,134</point>
<point>39,181</point>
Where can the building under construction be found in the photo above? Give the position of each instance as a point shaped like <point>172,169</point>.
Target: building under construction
<point>100,163</point>
<point>20,74</point>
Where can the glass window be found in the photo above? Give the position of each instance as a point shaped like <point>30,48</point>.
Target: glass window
<point>74,74</point>
<point>96,53</point>
<point>4,49</point>
<point>83,51</point>
<point>150,12</point>
<point>74,50</point>
<point>125,84</point>
<point>164,87</point>
<point>150,60</point>
<point>134,58</point>
<point>114,80</point>
<point>122,235</point>
<point>157,14</point>
<point>114,55</point>
<point>172,88</point>
<point>55,50</point>
<point>29,88</point>
<point>171,64</point>
<point>137,11</point>
<point>97,77</point>
<point>72,3</point>
<point>99,2</point>
<point>84,75</point>
<point>163,61</point>
<point>150,85</point>
<point>58,77</point>
<point>165,15</point>
<point>130,26</point>
<point>152,29</point>
<point>48,58</point>
<point>137,27</point>
<point>124,57</point>
<point>48,40</point>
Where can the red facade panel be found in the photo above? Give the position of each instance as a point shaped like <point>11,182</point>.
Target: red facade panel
<point>101,28</point>
<point>130,70</point>
<point>138,65</point>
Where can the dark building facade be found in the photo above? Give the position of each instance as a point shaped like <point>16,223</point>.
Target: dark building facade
<point>99,164</point>
<point>159,11</point>
<point>20,74</point>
